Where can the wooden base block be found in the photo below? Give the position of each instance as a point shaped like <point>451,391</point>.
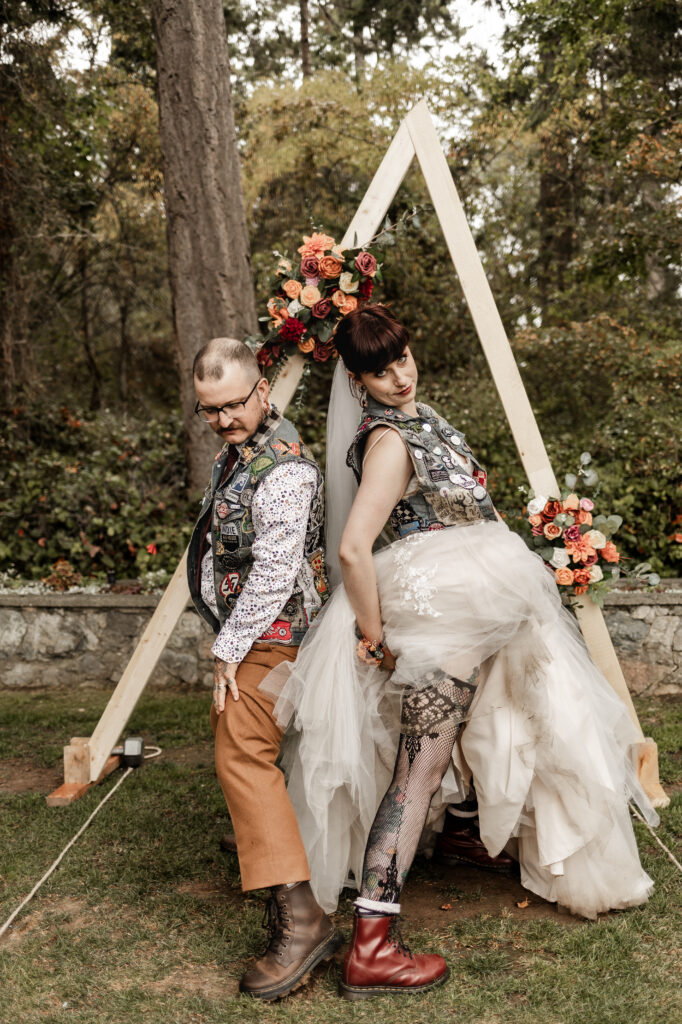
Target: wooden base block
<point>647,770</point>
<point>70,791</point>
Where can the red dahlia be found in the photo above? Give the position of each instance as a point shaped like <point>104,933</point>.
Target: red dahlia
<point>292,330</point>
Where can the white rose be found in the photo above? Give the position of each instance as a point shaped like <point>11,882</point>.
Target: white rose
<point>294,307</point>
<point>536,505</point>
<point>595,538</point>
<point>347,284</point>
<point>560,559</point>
<point>596,574</point>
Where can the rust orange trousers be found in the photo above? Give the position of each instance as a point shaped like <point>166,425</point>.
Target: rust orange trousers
<point>247,741</point>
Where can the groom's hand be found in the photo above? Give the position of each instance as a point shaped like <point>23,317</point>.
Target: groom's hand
<point>224,679</point>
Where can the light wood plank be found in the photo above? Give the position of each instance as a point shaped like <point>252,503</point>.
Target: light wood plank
<point>139,668</point>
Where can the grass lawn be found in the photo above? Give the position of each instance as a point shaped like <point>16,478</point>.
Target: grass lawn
<point>144,920</point>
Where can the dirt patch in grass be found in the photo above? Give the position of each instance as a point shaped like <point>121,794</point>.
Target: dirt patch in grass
<point>19,775</point>
<point>73,914</point>
<point>456,891</point>
<point>209,982</point>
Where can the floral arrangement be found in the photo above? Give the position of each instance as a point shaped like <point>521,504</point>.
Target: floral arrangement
<point>312,294</point>
<point>576,544</point>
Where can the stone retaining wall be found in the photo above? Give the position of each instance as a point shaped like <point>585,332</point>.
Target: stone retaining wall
<point>73,640</point>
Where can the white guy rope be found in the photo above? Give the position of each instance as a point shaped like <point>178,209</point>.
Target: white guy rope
<point>155,753</point>
<point>661,844</point>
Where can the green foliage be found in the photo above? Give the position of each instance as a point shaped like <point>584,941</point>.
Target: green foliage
<point>96,493</point>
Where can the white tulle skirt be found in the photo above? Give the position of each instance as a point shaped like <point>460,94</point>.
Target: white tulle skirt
<point>547,741</point>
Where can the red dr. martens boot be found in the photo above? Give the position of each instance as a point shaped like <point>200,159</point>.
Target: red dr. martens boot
<point>379,962</point>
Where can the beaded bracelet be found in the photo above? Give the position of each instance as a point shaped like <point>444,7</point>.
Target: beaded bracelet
<point>371,652</point>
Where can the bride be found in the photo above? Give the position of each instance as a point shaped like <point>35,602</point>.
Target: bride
<point>456,621</point>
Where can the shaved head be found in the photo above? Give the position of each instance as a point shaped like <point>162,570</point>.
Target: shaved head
<point>212,361</point>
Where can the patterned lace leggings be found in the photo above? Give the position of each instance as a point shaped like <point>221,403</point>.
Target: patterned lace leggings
<point>431,720</point>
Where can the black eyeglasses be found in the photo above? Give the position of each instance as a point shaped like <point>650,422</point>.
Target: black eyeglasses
<point>211,413</point>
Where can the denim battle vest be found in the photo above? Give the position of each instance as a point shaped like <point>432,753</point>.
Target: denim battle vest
<point>447,494</point>
<point>226,506</point>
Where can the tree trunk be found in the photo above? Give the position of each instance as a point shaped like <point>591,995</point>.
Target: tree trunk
<point>95,375</point>
<point>305,39</point>
<point>208,247</point>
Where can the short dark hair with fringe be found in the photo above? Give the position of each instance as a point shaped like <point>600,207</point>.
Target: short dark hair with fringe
<point>370,338</point>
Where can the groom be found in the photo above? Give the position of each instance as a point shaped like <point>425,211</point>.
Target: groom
<point>256,575</point>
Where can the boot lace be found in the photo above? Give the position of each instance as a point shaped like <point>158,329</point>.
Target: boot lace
<point>396,939</point>
<point>276,922</point>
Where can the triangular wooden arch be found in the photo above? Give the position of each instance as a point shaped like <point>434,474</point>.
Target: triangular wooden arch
<point>85,760</point>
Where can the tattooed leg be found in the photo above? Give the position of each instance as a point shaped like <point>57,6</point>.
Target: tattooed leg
<point>431,720</point>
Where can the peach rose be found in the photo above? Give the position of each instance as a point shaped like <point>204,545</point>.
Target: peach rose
<point>330,267</point>
<point>349,305</point>
<point>580,590</point>
<point>583,517</point>
<point>338,298</point>
<point>306,346</point>
<point>535,520</point>
<point>551,531</point>
<point>283,267</point>
<point>292,288</point>
<point>564,577</point>
<point>309,295</point>
<point>610,552</point>
<point>315,244</point>
<point>571,502</point>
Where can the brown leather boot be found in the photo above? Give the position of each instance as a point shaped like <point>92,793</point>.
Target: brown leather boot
<point>465,844</point>
<point>379,962</point>
<point>300,937</point>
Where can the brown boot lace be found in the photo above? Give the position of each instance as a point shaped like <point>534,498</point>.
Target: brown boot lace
<point>276,922</point>
<point>395,937</point>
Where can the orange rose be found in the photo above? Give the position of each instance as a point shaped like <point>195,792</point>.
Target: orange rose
<point>571,502</point>
<point>583,517</point>
<point>309,295</point>
<point>564,577</point>
<point>551,531</point>
<point>349,305</point>
<point>277,308</point>
<point>610,552</point>
<point>551,509</point>
<point>306,346</point>
<point>330,267</point>
<point>581,577</point>
<point>338,298</point>
<point>292,288</point>
<point>315,244</point>
<point>534,520</point>
<point>580,590</point>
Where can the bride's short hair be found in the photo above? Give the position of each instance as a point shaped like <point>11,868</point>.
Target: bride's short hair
<point>370,338</point>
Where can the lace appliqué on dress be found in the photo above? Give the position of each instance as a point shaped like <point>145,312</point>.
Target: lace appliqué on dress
<point>414,584</point>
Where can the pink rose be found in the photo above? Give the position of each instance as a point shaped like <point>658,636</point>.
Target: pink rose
<point>586,504</point>
<point>310,266</point>
<point>572,533</point>
<point>322,308</point>
<point>366,264</point>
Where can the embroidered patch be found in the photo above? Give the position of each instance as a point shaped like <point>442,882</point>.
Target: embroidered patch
<point>279,631</point>
<point>230,585</point>
<point>223,510</point>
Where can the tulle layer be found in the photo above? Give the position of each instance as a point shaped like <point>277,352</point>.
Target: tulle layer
<point>547,741</point>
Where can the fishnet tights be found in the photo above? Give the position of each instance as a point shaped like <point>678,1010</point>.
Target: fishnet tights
<point>431,720</point>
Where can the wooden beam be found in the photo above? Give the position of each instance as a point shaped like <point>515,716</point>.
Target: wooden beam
<point>517,407</point>
<point>139,669</point>
<point>70,791</point>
